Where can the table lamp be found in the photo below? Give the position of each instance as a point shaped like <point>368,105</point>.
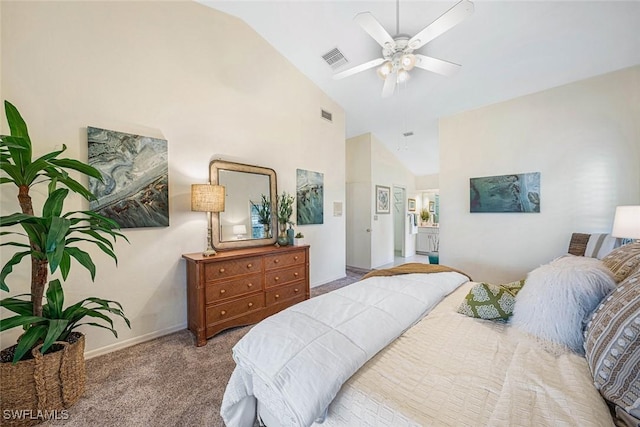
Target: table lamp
<point>207,198</point>
<point>626,223</point>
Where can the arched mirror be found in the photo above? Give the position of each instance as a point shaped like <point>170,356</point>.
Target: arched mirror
<point>250,196</point>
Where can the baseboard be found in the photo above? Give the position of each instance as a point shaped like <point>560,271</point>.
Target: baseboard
<point>133,341</point>
<point>325,281</point>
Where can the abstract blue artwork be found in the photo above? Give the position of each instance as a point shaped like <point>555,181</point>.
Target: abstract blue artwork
<point>309,197</point>
<point>506,193</point>
<point>135,187</point>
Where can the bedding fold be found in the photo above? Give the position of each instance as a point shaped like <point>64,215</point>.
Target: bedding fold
<point>295,362</point>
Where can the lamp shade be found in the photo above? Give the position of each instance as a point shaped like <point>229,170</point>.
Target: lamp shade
<point>207,198</point>
<point>408,61</point>
<point>626,223</point>
<point>385,69</point>
<point>239,229</point>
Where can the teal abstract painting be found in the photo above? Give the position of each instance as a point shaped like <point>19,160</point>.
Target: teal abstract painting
<point>309,197</point>
<point>134,191</point>
<point>506,193</point>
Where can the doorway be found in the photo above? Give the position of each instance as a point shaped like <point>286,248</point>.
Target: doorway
<point>358,225</point>
<point>399,220</point>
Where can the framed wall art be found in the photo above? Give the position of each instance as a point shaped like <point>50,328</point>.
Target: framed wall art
<point>411,205</point>
<point>135,187</point>
<point>505,193</point>
<point>309,197</point>
<point>383,199</point>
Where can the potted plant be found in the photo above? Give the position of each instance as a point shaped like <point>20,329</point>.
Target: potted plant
<point>434,246</point>
<point>50,238</point>
<point>424,215</point>
<point>298,239</point>
<point>285,209</point>
<point>264,215</point>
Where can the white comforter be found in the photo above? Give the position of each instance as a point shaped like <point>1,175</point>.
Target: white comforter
<point>295,362</point>
<point>453,370</point>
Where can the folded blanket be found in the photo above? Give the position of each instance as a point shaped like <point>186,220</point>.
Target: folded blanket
<point>412,267</point>
<point>295,362</point>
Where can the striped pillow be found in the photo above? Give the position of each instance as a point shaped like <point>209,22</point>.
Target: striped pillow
<point>612,345</point>
<point>623,260</point>
<point>600,245</point>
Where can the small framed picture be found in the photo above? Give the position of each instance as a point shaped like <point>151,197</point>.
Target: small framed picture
<point>383,199</point>
<point>412,205</point>
<point>432,206</point>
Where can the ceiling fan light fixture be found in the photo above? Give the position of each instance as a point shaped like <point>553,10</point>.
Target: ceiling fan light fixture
<point>408,61</point>
<point>385,69</point>
<point>403,76</point>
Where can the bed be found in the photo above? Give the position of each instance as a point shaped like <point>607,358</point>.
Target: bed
<point>439,367</point>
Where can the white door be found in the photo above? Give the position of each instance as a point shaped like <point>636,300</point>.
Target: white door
<point>358,224</point>
<point>399,220</point>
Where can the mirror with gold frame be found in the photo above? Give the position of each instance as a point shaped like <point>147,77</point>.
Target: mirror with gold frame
<point>239,225</point>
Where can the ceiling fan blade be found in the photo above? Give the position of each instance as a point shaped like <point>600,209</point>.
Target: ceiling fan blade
<point>389,85</point>
<point>446,21</point>
<point>371,25</point>
<point>358,68</point>
<point>435,65</point>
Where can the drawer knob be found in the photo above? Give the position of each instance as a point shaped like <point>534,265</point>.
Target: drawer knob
<point>295,257</point>
<point>295,274</point>
<point>222,291</point>
<point>276,278</point>
<point>276,260</point>
<point>222,270</point>
<point>277,296</point>
<point>250,304</point>
<point>249,265</point>
<point>296,290</point>
<point>222,313</point>
<point>249,285</point>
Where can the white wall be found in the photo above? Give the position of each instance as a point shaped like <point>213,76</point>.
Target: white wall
<point>359,206</point>
<point>584,139</point>
<point>428,182</point>
<point>387,170</point>
<point>370,162</point>
<point>201,79</point>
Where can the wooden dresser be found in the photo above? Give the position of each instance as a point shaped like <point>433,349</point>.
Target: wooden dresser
<point>243,286</point>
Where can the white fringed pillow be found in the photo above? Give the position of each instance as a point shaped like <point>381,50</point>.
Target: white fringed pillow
<point>559,297</point>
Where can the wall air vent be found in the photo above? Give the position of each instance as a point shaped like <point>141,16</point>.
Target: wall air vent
<point>335,58</point>
<point>326,115</point>
<point>408,133</point>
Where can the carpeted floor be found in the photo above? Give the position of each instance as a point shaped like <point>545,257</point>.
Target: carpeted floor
<point>165,382</point>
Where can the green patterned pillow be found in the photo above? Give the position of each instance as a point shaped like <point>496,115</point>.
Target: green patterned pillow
<point>491,302</point>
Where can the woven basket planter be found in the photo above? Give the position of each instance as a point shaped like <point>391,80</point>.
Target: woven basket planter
<point>40,388</point>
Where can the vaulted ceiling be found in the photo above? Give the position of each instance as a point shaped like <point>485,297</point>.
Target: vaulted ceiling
<point>506,48</point>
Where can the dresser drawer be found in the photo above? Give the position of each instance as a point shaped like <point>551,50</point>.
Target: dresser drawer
<point>222,290</point>
<point>231,309</point>
<point>230,268</point>
<point>284,260</point>
<point>284,293</point>
<point>284,276</point>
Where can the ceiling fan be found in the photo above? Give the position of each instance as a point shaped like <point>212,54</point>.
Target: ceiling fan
<point>397,52</point>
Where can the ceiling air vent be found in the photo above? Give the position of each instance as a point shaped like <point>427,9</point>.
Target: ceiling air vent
<point>326,115</point>
<point>335,58</point>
